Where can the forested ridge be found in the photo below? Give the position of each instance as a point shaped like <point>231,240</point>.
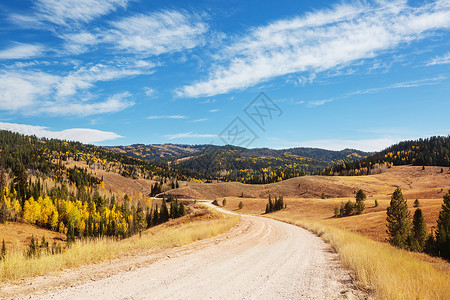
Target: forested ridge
<point>433,151</point>
<point>232,163</point>
<point>49,183</point>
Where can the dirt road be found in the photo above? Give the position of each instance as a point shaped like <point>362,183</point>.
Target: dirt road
<point>258,259</point>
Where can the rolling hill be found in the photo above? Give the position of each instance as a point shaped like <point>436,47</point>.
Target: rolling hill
<point>231,163</point>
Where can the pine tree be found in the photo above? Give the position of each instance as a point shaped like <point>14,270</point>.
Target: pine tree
<point>349,208</point>
<point>398,221</point>
<point>360,198</point>
<point>3,253</point>
<point>149,217</point>
<point>443,228</point>
<point>419,233</point>
<point>376,203</point>
<point>416,203</point>
<point>241,205</point>
<point>163,212</point>
<point>181,210</point>
<point>342,210</point>
<point>174,209</point>
<point>155,220</point>
<point>141,222</point>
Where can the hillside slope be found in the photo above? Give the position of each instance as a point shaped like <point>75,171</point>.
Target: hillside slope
<point>231,163</point>
<point>415,183</point>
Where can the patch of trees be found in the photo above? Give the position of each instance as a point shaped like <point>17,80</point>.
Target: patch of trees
<point>433,151</point>
<point>352,208</point>
<point>277,204</point>
<point>412,234</point>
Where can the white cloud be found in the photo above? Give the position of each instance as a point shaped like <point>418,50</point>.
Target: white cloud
<point>32,92</point>
<point>85,77</point>
<point>149,91</point>
<point>19,90</point>
<point>68,12</point>
<point>113,104</point>
<point>398,85</point>
<point>213,110</point>
<point>84,135</point>
<point>319,41</point>
<point>189,135</point>
<point>157,33</point>
<point>440,60</point>
<point>200,120</point>
<point>22,51</point>
<point>166,117</point>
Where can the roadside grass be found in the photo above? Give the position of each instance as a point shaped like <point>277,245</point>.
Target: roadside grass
<point>201,225</point>
<point>392,273</point>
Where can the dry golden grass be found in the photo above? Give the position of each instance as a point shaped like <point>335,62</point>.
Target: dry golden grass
<point>414,182</point>
<point>202,225</point>
<point>17,236</point>
<point>391,272</point>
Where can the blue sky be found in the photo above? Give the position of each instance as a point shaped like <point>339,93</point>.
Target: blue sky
<point>347,74</point>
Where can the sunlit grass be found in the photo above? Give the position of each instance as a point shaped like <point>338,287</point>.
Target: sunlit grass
<point>392,273</point>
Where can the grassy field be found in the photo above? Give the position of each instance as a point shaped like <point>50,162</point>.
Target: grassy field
<point>360,240</point>
<point>200,225</point>
<point>17,236</point>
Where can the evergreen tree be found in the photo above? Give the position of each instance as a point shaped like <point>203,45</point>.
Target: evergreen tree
<point>360,198</point>
<point>398,220</point>
<point>376,203</point>
<point>416,203</point>
<point>349,208</point>
<point>342,210</point>
<point>155,220</point>
<point>419,234</point>
<point>33,249</point>
<point>3,253</point>
<point>174,209</point>
<point>141,222</point>
<point>148,216</point>
<point>241,205</point>
<point>443,228</point>
<point>182,210</point>
<point>163,212</point>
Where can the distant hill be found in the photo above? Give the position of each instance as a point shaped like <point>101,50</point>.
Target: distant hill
<point>231,163</point>
<point>433,151</point>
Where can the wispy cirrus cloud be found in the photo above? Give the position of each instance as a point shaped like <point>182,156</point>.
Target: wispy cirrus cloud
<point>150,34</point>
<point>319,41</point>
<point>22,51</point>
<point>440,60</point>
<point>398,85</point>
<point>113,104</point>
<point>166,117</point>
<point>31,92</point>
<point>200,120</point>
<point>188,135</point>
<point>84,135</point>
<point>67,12</point>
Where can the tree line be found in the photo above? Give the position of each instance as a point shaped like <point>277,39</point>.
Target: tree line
<point>433,151</point>
<point>412,234</point>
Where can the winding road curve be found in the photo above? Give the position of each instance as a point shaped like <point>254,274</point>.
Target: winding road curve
<point>258,259</point>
